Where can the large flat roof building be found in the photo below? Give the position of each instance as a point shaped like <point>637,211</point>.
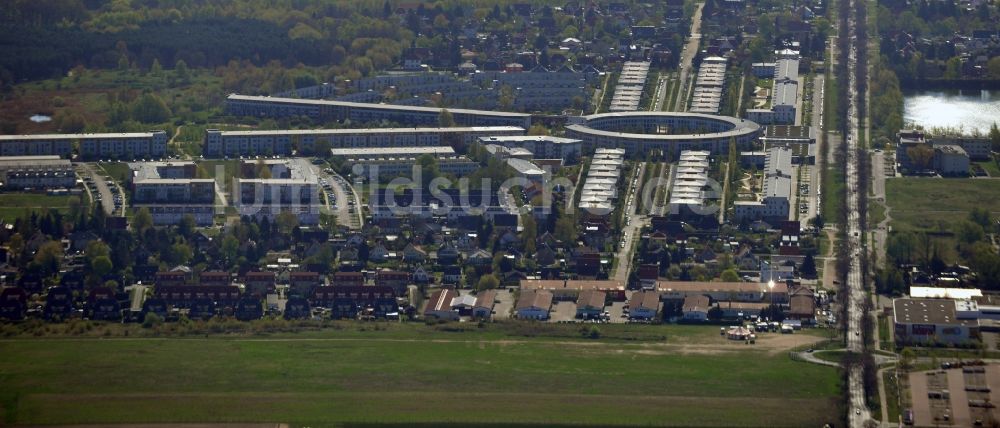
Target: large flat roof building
<point>396,161</point>
<point>933,321</point>
<point>294,187</point>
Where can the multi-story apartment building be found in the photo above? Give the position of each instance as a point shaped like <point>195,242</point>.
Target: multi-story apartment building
<point>322,110</point>
<point>151,144</point>
<point>774,201</point>
<point>244,143</point>
<point>36,172</point>
<point>389,161</point>
<point>293,187</point>
<point>169,191</point>
<point>541,146</point>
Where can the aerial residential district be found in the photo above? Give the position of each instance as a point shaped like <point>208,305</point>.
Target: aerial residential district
<point>500,213</point>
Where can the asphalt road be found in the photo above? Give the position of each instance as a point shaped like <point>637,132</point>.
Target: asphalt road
<point>630,230</point>
<point>344,192</point>
<point>103,187</point>
<point>687,58</point>
<point>859,413</point>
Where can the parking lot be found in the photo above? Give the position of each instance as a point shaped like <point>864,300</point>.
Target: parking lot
<point>504,305</point>
<point>563,312</point>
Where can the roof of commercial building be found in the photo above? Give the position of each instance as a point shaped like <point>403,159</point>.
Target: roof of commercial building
<point>415,109</point>
<point>440,301</point>
<point>486,299</point>
<point>786,69</point>
<point>945,293</point>
<point>926,311</point>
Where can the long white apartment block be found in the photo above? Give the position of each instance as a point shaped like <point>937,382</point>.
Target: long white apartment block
<point>689,192</point>
<point>151,144</point>
<point>247,143</point>
<point>631,83</point>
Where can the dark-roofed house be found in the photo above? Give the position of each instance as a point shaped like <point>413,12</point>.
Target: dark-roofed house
<point>213,278</point>
<point>349,301</point>
<point>643,305</point>
<point>259,283</point>
<point>58,303</point>
<point>696,308</point>
<point>391,278</point>
<point>302,283</point>
<point>485,300</point>
<point>297,308</point>
<point>171,278</point>
<point>590,304</point>
<point>348,279</point>
<point>534,304</point>
<point>250,308</point>
<point>102,305</point>
<point>186,296</point>
<point>13,303</point>
<point>439,305</point>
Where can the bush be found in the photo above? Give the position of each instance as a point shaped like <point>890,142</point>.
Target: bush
<point>151,320</point>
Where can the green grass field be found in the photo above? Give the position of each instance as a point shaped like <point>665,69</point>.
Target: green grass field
<point>14,205</point>
<point>413,374</point>
<point>934,205</point>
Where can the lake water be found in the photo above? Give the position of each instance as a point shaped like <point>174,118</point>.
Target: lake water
<point>968,109</point>
<point>39,118</point>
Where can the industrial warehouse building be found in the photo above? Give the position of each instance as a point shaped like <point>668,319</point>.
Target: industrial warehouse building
<point>282,142</point>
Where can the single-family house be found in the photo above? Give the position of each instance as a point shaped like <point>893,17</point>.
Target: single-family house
<point>439,305</point>
<point>485,301</point>
<point>534,304</point>
<point>414,254</point>
<point>643,305</point>
<point>590,304</point>
<point>421,276</point>
<point>452,275</point>
<point>696,308</point>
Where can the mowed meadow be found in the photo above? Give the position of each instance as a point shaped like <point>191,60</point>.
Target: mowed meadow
<point>329,379</point>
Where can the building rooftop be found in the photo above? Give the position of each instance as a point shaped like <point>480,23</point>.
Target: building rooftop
<point>926,311</point>
<point>350,131</point>
<point>77,136</point>
<point>370,152</point>
<point>415,109</point>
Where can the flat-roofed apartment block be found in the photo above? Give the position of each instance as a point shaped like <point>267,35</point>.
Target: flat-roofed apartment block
<point>36,172</point>
<point>322,110</point>
<point>37,145</point>
<point>783,95</point>
<point>169,191</point>
<point>129,146</point>
<point>293,187</point>
<point>396,161</point>
<point>541,146</point>
<point>601,185</point>
<point>245,143</point>
<point>773,203</point>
